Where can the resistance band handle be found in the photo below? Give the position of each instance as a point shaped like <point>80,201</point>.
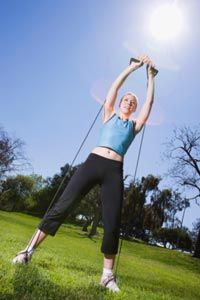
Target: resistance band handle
<point>155,71</point>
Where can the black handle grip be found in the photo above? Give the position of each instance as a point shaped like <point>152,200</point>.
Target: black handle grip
<point>155,71</point>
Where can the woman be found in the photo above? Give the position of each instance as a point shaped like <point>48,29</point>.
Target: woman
<point>104,166</point>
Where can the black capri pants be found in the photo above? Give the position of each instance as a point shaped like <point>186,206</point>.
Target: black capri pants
<point>108,173</point>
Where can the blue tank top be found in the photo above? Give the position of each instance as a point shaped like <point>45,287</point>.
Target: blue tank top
<point>117,134</point>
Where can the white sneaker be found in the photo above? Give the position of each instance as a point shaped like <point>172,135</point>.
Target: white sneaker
<point>23,257</point>
<point>109,282</point>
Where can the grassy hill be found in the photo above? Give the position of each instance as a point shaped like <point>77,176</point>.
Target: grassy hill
<point>69,266</point>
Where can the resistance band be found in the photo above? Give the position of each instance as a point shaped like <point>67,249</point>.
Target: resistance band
<point>68,172</point>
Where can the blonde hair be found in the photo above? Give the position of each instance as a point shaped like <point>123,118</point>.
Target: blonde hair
<point>132,94</point>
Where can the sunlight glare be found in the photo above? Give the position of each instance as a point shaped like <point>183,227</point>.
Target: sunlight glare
<point>166,22</point>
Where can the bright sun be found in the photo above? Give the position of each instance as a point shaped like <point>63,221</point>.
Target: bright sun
<point>166,22</point>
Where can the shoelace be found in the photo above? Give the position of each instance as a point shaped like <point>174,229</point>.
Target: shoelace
<point>27,254</point>
<point>108,279</point>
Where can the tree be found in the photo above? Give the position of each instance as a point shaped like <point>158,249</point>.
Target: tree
<point>90,209</point>
<point>183,150</point>
<point>12,157</point>
<point>147,208</point>
<point>176,237</point>
<point>195,236</point>
<point>52,188</point>
<point>17,192</point>
<point>157,211</point>
<point>133,212</point>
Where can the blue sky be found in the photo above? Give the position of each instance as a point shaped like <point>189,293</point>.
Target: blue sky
<point>58,59</point>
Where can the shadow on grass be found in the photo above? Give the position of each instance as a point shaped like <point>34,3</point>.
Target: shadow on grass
<point>30,284</point>
<point>70,264</point>
<point>91,238</point>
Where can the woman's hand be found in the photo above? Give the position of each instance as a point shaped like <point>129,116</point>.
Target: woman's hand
<point>142,59</point>
<point>150,69</point>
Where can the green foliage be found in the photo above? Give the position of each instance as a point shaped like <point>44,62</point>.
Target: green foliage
<point>140,216</point>
<point>32,194</point>
<point>69,266</point>
<point>16,194</point>
<point>177,237</point>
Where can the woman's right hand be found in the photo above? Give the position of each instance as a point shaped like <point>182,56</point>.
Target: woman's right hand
<point>142,60</point>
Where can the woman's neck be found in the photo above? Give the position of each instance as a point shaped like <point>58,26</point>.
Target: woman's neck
<point>124,117</point>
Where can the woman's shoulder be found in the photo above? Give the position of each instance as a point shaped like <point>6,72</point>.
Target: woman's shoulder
<point>110,116</point>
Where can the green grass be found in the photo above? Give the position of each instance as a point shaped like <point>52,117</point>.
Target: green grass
<point>69,266</point>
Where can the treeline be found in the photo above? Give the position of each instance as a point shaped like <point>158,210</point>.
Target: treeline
<point>146,208</point>
<point>149,213</point>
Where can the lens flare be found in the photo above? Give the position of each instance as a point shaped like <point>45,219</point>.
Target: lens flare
<point>98,90</point>
<point>156,118</point>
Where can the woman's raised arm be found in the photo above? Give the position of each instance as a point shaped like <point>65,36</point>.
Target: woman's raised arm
<point>146,108</point>
<point>113,90</point>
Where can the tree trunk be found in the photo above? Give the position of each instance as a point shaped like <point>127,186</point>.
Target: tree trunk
<point>97,218</point>
<point>85,226</point>
<point>197,246</point>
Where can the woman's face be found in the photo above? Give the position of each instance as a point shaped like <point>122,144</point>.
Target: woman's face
<point>128,104</point>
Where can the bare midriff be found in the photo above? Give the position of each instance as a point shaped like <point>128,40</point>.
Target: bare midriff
<point>108,153</point>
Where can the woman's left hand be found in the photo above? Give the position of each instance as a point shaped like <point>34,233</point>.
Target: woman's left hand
<point>149,67</point>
